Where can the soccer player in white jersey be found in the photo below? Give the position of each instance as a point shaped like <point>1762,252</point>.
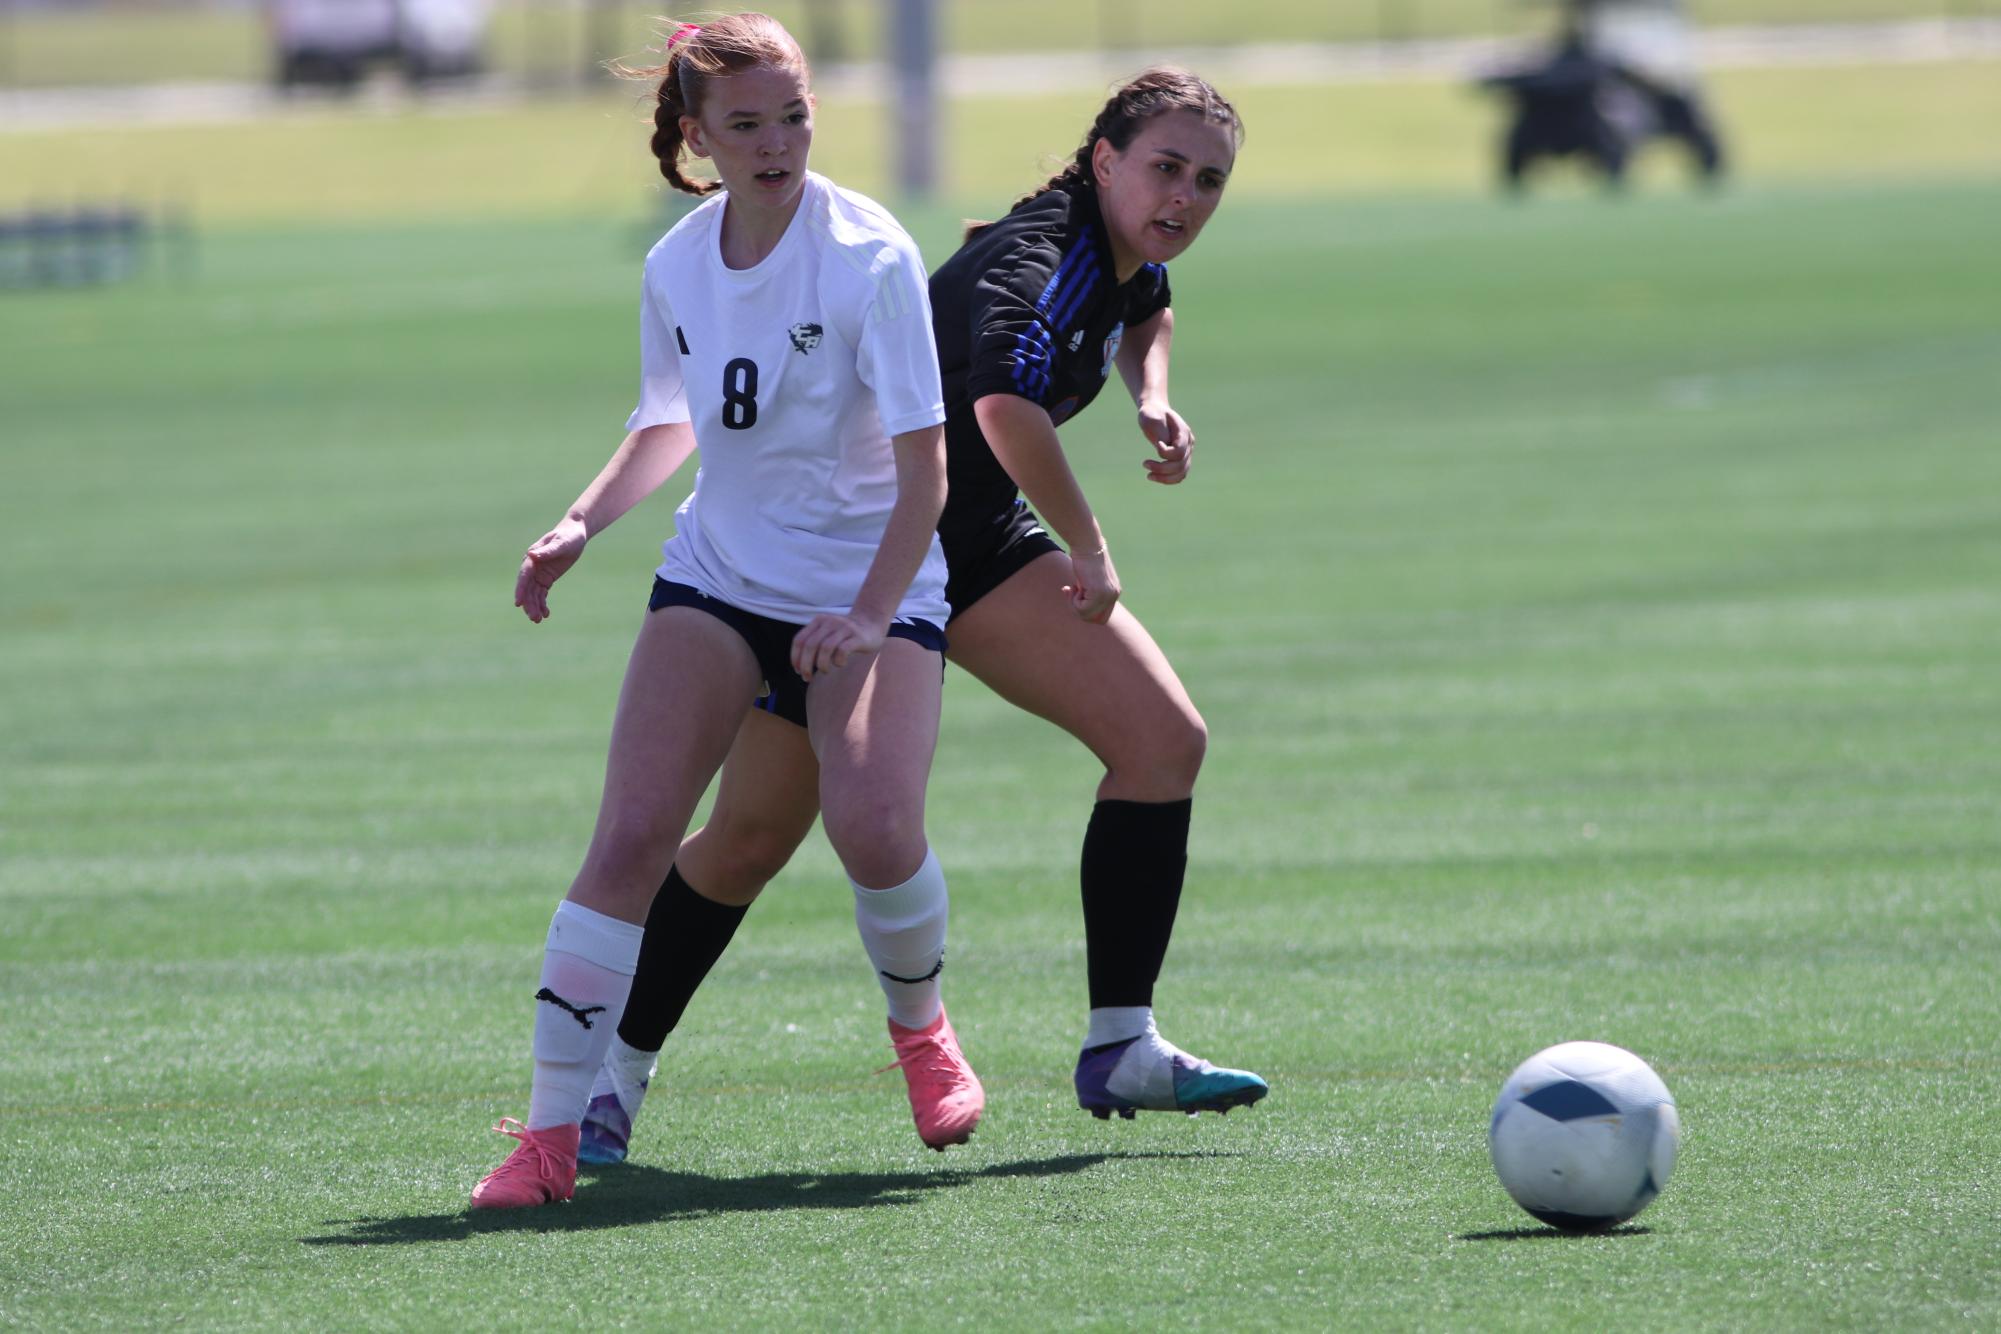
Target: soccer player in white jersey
<point>1032,315</point>
<point>785,330</point>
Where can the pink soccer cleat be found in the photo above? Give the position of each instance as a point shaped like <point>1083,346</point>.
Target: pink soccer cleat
<point>543,1170</point>
<point>945,1094</point>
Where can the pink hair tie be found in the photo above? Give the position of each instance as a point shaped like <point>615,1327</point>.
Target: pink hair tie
<point>686,29</point>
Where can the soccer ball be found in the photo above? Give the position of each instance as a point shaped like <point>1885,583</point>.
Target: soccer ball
<point>1584,1135</point>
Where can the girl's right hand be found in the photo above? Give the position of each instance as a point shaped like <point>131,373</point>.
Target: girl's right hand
<point>1094,585</point>
<point>828,642</point>
<point>549,558</point>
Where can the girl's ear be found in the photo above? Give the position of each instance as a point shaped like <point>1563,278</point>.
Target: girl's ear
<point>691,135</point>
<point>1102,154</point>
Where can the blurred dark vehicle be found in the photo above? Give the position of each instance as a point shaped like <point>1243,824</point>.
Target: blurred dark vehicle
<point>1621,73</point>
<point>336,43</point>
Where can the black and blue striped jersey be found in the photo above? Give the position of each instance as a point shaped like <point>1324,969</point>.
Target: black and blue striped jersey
<point>1029,306</point>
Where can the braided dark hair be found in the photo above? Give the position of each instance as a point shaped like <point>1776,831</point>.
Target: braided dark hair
<point>697,53</point>
<point>1152,92</point>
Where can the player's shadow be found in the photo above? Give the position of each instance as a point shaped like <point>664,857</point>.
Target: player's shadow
<point>632,1193</point>
<point>1552,1234</point>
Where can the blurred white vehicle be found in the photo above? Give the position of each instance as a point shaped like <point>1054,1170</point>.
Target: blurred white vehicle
<point>443,39</point>
<point>1651,38</point>
<point>334,43</point>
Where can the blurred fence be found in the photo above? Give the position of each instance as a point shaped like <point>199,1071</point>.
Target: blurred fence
<point>564,43</point>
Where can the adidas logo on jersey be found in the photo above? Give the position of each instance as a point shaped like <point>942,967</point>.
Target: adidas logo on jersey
<point>1076,340</point>
<point>805,337</point>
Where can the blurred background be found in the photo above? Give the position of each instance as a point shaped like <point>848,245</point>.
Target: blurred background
<point>226,110</point>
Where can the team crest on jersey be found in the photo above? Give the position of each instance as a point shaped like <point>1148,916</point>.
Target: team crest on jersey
<point>805,337</point>
<point>1112,341</point>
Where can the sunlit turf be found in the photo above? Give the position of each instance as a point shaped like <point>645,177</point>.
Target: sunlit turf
<point>1594,609</point>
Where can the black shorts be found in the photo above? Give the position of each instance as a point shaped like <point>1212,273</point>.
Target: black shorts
<point>771,642</point>
<point>980,557</point>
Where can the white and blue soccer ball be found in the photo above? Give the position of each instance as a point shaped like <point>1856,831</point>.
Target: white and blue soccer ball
<point>1584,1135</point>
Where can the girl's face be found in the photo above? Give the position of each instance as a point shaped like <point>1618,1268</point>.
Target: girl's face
<point>1158,193</point>
<point>757,127</point>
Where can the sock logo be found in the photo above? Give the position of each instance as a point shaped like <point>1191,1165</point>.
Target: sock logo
<point>936,969</point>
<point>582,1016</point>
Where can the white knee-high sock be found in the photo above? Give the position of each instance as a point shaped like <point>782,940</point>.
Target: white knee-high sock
<point>903,929</point>
<point>587,970</point>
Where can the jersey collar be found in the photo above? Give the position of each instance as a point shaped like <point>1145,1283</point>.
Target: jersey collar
<point>808,199</point>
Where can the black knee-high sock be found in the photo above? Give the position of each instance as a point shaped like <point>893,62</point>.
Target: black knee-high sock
<point>685,935</point>
<point>1135,854</point>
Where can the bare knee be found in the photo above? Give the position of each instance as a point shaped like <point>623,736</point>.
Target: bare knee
<point>628,859</point>
<point>1158,761</point>
<point>880,840</point>
<point>1190,746</point>
<point>753,856</point>
<point>731,861</point>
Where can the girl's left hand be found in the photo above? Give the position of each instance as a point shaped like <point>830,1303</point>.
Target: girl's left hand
<point>548,559</point>
<point>1172,438</point>
<point>827,642</point>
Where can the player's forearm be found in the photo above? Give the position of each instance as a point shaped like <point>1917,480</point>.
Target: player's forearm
<point>1143,357</point>
<point>1024,440</point>
<point>637,468</point>
<point>906,538</point>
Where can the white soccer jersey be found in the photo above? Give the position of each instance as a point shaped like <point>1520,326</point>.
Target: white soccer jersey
<point>795,373</point>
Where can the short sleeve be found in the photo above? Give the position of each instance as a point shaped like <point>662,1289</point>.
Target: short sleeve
<point>1012,347</point>
<point>663,395</point>
<point>897,356</point>
<point>1148,294</point>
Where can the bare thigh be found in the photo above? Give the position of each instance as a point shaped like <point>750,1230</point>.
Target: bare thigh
<point>1108,685</point>
<point>765,806</point>
<point>874,726</point>
<point>687,686</point>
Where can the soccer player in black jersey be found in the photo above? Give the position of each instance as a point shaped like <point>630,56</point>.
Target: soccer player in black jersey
<point>1032,316</point>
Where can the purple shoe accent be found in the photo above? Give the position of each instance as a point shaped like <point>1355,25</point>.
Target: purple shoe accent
<point>606,1132</point>
<point>1094,1070</point>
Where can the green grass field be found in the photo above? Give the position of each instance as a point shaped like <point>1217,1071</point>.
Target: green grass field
<point>1594,607</point>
